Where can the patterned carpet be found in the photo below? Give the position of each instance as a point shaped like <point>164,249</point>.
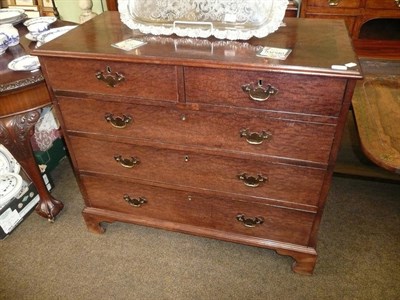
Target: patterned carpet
<point>359,244</point>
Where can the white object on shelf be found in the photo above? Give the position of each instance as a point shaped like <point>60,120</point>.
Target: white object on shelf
<point>87,13</point>
<point>10,185</point>
<point>8,164</point>
<point>24,63</point>
<point>51,34</point>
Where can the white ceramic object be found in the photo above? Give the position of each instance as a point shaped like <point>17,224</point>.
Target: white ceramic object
<point>8,15</point>
<point>3,43</point>
<point>51,34</point>
<point>37,28</point>
<point>31,37</point>
<point>49,20</point>
<point>11,32</point>
<point>8,164</point>
<point>10,186</point>
<point>224,19</point>
<point>25,63</point>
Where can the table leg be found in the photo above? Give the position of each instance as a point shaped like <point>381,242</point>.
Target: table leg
<point>15,134</point>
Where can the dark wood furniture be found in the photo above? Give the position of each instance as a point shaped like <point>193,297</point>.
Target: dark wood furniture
<point>201,135</point>
<point>22,95</point>
<point>356,14</point>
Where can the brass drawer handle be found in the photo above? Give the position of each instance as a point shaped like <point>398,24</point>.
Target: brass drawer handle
<point>252,181</point>
<point>255,138</point>
<point>127,162</point>
<point>397,2</point>
<point>333,2</point>
<point>118,122</point>
<point>135,202</point>
<point>259,93</point>
<point>110,79</point>
<point>249,222</point>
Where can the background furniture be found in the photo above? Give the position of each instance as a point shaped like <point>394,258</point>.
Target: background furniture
<point>374,27</point>
<point>22,95</point>
<point>34,8</point>
<point>202,136</point>
<point>361,17</point>
<point>376,109</point>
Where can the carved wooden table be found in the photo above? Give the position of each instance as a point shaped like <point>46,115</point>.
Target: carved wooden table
<point>22,95</point>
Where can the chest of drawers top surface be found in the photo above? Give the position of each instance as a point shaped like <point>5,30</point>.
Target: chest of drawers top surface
<point>317,45</point>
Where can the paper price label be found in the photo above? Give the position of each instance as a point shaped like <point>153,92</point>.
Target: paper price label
<point>274,53</point>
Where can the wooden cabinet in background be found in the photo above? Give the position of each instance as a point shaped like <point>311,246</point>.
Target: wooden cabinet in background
<point>356,13</point>
<point>33,8</point>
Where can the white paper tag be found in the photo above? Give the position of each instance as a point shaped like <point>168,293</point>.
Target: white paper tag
<point>9,219</point>
<point>339,67</point>
<point>274,53</point>
<point>350,65</point>
<point>128,44</point>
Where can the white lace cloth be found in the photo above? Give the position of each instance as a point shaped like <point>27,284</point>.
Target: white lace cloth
<point>225,19</point>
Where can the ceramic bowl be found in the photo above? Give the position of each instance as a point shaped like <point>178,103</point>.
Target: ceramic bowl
<point>3,43</point>
<point>37,28</point>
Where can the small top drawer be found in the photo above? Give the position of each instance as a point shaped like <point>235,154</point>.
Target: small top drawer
<point>335,3</point>
<point>263,90</point>
<point>388,4</point>
<point>154,82</point>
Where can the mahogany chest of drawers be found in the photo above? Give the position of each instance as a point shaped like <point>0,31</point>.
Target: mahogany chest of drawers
<point>202,136</point>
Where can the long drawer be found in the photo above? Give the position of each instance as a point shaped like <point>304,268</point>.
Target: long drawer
<point>335,3</point>
<point>215,213</point>
<point>248,178</point>
<point>141,81</point>
<point>291,93</point>
<point>379,4</point>
<point>252,133</point>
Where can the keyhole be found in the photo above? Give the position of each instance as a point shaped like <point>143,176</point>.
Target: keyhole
<point>260,82</point>
<point>186,158</point>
